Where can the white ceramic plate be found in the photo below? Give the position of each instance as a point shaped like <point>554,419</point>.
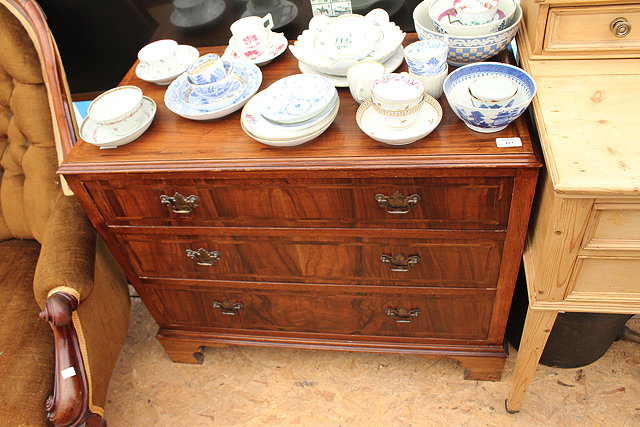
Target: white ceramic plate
<point>185,55</point>
<point>340,81</point>
<point>266,132</point>
<point>277,44</point>
<point>370,122</point>
<point>175,95</point>
<point>101,136</point>
<point>296,98</point>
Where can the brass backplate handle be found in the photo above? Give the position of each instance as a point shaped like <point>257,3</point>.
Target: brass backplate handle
<point>228,308</point>
<point>180,204</point>
<point>403,315</point>
<point>620,27</point>
<point>203,256</point>
<point>399,262</point>
<point>397,203</point>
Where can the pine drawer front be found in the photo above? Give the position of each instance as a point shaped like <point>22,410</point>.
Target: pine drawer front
<point>592,29</point>
<point>438,203</point>
<point>451,314</point>
<point>614,226</point>
<point>600,280</point>
<point>325,258</point>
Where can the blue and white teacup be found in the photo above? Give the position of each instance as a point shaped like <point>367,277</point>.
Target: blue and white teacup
<point>208,68</point>
<point>427,57</point>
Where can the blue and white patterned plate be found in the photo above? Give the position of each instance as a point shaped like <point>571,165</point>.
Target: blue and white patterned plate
<point>297,98</point>
<point>180,99</point>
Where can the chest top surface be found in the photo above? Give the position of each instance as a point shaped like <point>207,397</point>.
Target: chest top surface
<point>173,143</point>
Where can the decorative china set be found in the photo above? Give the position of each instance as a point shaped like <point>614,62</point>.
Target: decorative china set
<point>355,51</point>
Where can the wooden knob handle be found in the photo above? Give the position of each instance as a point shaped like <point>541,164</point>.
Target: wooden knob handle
<point>620,27</point>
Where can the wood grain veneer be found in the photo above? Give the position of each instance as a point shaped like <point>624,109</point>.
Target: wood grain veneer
<point>300,233</point>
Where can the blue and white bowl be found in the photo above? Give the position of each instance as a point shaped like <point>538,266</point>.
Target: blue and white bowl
<point>466,49</point>
<point>426,57</point>
<point>180,99</point>
<point>487,120</point>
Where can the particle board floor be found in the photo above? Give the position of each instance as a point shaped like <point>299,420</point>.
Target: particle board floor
<point>249,386</point>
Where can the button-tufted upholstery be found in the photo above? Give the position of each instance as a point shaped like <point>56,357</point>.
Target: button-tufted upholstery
<point>47,245</point>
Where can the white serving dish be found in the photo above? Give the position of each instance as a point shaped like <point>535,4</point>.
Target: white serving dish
<point>486,120</point>
<point>346,37</point>
<point>371,123</point>
<point>306,48</point>
<point>277,44</point>
<point>390,65</point>
<point>296,98</point>
<point>175,98</point>
<point>104,137</point>
<point>466,49</point>
<point>183,56</point>
<point>266,132</point>
<point>445,19</point>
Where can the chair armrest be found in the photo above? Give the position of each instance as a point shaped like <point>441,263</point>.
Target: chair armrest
<point>69,403</point>
<point>67,254</point>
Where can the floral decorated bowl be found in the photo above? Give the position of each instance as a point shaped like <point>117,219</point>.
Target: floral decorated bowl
<point>466,49</point>
<point>476,12</point>
<point>445,19</point>
<point>486,120</point>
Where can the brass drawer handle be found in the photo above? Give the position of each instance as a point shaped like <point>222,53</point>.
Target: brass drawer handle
<point>180,204</point>
<point>620,27</point>
<point>397,203</point>
<point>399,262</point>
<point>227,308</point>
<point>203,256</point>
<point>403,315</point>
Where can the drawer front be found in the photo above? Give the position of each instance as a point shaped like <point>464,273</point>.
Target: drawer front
<point>309,258</point>
<point>589,29</point>
<point>606,278</point>
<point>454,315</point>
<point>444,203</point>
<point>614,227</point>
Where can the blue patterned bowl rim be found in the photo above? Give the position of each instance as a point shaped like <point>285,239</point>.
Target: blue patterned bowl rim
<point>479,69</point>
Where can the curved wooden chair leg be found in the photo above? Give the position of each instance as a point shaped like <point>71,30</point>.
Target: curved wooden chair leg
<point>69,403</point>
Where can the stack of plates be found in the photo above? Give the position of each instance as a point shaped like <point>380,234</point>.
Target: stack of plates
<point>182,100</point>
<point>331,45</point>
<point>291,111</point>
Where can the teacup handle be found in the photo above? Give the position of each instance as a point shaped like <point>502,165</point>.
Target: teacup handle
<point>362,95</point>
<point>267,21</point>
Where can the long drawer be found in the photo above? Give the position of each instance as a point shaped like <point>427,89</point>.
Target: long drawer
<point>438,203</point>
<point>214,254</point>
<point>417,313</point>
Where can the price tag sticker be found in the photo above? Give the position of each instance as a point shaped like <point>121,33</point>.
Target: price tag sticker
<point>508,142</point>
<point>68,373</point>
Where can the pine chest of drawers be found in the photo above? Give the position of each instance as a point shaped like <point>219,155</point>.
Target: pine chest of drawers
<point>342,243</point>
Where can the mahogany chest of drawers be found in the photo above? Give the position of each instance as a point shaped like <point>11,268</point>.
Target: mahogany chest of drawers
<point>342,243</point>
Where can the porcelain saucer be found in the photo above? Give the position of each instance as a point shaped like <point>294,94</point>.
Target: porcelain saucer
<point>174,97</point>
<point>214,10</point>
<point>185,55</point>
<point>101,136</point>
<point>297,98</point>
<point>369,120</point>
<point>390,66</point>
<point>277,44</point>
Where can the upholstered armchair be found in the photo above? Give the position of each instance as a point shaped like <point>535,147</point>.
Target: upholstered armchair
<point>50,259</point>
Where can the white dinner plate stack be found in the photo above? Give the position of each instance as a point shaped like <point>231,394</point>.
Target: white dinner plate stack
<point>291,111</point>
